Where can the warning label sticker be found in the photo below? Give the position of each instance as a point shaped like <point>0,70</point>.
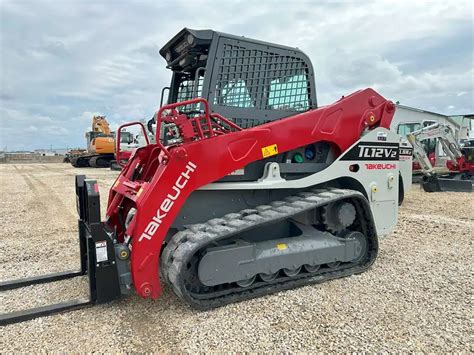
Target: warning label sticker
<point>101,251</point>
<point>281,246</point>
<point>269,150</point>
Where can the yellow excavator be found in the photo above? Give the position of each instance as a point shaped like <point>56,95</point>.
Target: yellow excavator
<point>100,146</point>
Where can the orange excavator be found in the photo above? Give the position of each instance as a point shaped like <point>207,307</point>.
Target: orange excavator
<point>100,146</point>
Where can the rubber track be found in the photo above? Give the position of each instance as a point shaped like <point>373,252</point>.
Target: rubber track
<point>184,244</point>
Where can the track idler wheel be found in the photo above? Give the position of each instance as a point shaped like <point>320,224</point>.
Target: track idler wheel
<point>338,215</point>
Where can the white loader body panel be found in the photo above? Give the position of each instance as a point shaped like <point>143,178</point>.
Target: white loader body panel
<point>374,163</point>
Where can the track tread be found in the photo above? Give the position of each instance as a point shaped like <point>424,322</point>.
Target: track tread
<point>183,245</point>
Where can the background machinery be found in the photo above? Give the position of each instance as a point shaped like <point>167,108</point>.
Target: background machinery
<point>100,146</point>
<point>464,165</point>
<point>72,153</point>
<point>249,189</point>
<point>461,160</point>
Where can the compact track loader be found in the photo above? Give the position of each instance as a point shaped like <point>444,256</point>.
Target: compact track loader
<point>249,189</point>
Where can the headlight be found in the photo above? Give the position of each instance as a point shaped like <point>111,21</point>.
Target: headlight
<point>190,39</point>
<point>168,56</point>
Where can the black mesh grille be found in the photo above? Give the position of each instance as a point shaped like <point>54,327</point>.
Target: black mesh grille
<point>252,78</point>
<point>187,90</point>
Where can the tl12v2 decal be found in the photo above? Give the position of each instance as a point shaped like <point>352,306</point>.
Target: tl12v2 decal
<point>382,151</point>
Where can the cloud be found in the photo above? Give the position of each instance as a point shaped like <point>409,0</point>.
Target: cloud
<point>63,62</point>
<point>86,116</point>
<point>55,130</point>
<point>31,129</point>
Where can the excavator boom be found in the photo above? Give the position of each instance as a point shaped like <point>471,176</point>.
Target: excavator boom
<point>101,125</point>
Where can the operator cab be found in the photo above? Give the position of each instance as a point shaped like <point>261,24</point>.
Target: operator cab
<point>249,81</point>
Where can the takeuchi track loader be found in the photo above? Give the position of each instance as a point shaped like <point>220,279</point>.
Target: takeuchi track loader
<point>249,189</point>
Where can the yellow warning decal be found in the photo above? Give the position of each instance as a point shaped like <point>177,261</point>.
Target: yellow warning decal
<point>281,246</point>
<point>269,150</point>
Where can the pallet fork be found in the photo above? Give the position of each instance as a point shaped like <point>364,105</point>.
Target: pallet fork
<point>97,254</point>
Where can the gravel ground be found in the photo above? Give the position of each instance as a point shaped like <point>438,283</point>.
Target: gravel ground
<point>417,296</point>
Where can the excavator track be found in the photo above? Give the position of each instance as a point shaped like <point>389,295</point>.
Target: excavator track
<point>101,161</point>
<point>181,255</point>
<point>80,161</point>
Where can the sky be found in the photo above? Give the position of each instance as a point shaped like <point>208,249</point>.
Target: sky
<point>61,62</point>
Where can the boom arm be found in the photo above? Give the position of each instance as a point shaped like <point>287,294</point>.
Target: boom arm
<point>445,135</point>
<point>100,124</point>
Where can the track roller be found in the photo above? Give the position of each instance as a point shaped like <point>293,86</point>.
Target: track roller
<point>312,268</point>
<point>269,277</point>
<point>247,282</point>
<point>292,272</point>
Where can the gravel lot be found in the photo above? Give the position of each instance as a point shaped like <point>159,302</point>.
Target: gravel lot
<point>417,297</point>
